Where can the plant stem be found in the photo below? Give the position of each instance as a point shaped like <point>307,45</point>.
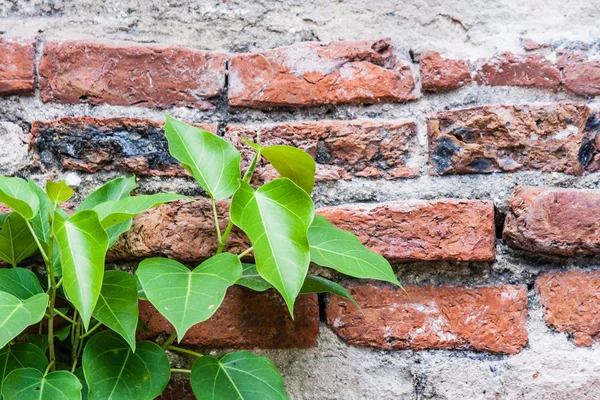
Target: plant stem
<point>52,294</point>
<point>50,365</point>
<point>186,351</point>
<point>64,316</point>
<point>250,171</point>
<point>76,343</point>
<point>216,216</point>
<point>183,371</point>
<point>88,333</point>
<point>37,241</point>
<point>170,340</point>
<point>245,252</point>
<point>225,236</point>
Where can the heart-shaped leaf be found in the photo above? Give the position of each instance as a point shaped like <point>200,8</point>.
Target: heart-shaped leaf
<point>82,245</point>
<point>113,371</point>
<point>237,376</point>
<point>16,314</point>
<point>16,241</point>
<point>115,189</point>
<point>19,196</point>
<point>276,218</point>
<point>211,160</point>
<point>116,211</point>
<point>317,284</point>
<point>21,355</point>
<point>187,297</point>
<point>41,221</point>
<point>31,384</point>
<point>117,305</point>
<point>19,282</point>
<point>341,250</point>
<point>58,192</point>
<point>252,279</point>
<point>292,163</point>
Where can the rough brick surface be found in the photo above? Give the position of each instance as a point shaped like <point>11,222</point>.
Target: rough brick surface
<point>342,149</point>
<point>127,75</point>
<point>499,138</point>
<point>554,221</point>
<point>180,230</point>
<point>589,152</point>
<point>583,77</point>
<point>247,319</point>
<point>458,230</point>
<point>105,144</point>
<point>438,73</point>
<point>517,70</point>
<point>571,303</point>
<point>481,318</point>
<point>308,74</point>
<point>16,67</point>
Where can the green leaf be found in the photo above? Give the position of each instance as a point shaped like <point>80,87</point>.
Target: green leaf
<point>16,241</point>
<point>117,230</point>
<point>113,371</point>
<point>252,279</point>
<point>16,314</point>
<point>317,284</point>
<point>276,218</point>
<point>19,282</point>
<point>58,192</point>
<point>211,160</point>
<point>115,189</point>
<point>117,305</point>
<point>41,340</point>
<point>41,221</point>
<point>82,245</point>
<point>341,250</point>
<point>84,391</point>
<point>187,297</point>
<point>21,355</point>
<point>19,196</point>
<point>292,163</point>
<point>255,146</point>
<point>31,384</point>
<point>116,211</point>
<point>237,376</point>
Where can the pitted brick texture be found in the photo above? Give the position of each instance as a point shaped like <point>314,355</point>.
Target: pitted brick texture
<point>438,73</point>
<point>554,221</point>
<point>16,67</point>
<point>342,149</point>
<point>307,74</point>
<point>129,75</point>
<point>517,70</point>
<point>425,317</point>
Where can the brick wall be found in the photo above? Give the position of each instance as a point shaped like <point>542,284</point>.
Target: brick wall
<point>480,204</point>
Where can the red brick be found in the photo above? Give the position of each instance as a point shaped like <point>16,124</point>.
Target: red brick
<point>452,317</point>
<point>247,319</point>
<point>309,74</point>
<point>531,45</point>
<point>128,75</point>
<point>105,144</point>
<point>504,138</point>
<point>583,77</point>
<point>438,73</point>
<point>571,302</point>
<point>517,70</point>
<point>554,221</point>
<point>456,230</point>
<point>342,149</point>
<point>16,67</point>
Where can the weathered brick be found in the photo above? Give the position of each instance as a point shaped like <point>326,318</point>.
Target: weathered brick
<point>342,149</point>
<point>95,144</point>
<point>456,230</point>
<point>583,77</point>
<point>247,319</point>
<point>531,45</point>
<point>128,75</point>
<point>438,73</point>
<point>16,67</point>
<point>504,138</point>
<point>554,221</point>
<point>517,70</point>
<point>308,74</point>
<point>589,152</point>
<point>571,303</point>
<point>451,317</point>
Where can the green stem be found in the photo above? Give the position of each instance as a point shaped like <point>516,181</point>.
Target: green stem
<point>170,340</point>
<point>225,236</point>
<point>50,365</point>
<point>216,216</point>
<point>245,252</point>
<point>76,344</point>
<point>37,241</point>
<point>186,351</point>
<point>60,282</point>
<point>183,371</point>
<point>251,167</point>
<point>52,295</point>
<point>88,333</point>
<point>64,316</point>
